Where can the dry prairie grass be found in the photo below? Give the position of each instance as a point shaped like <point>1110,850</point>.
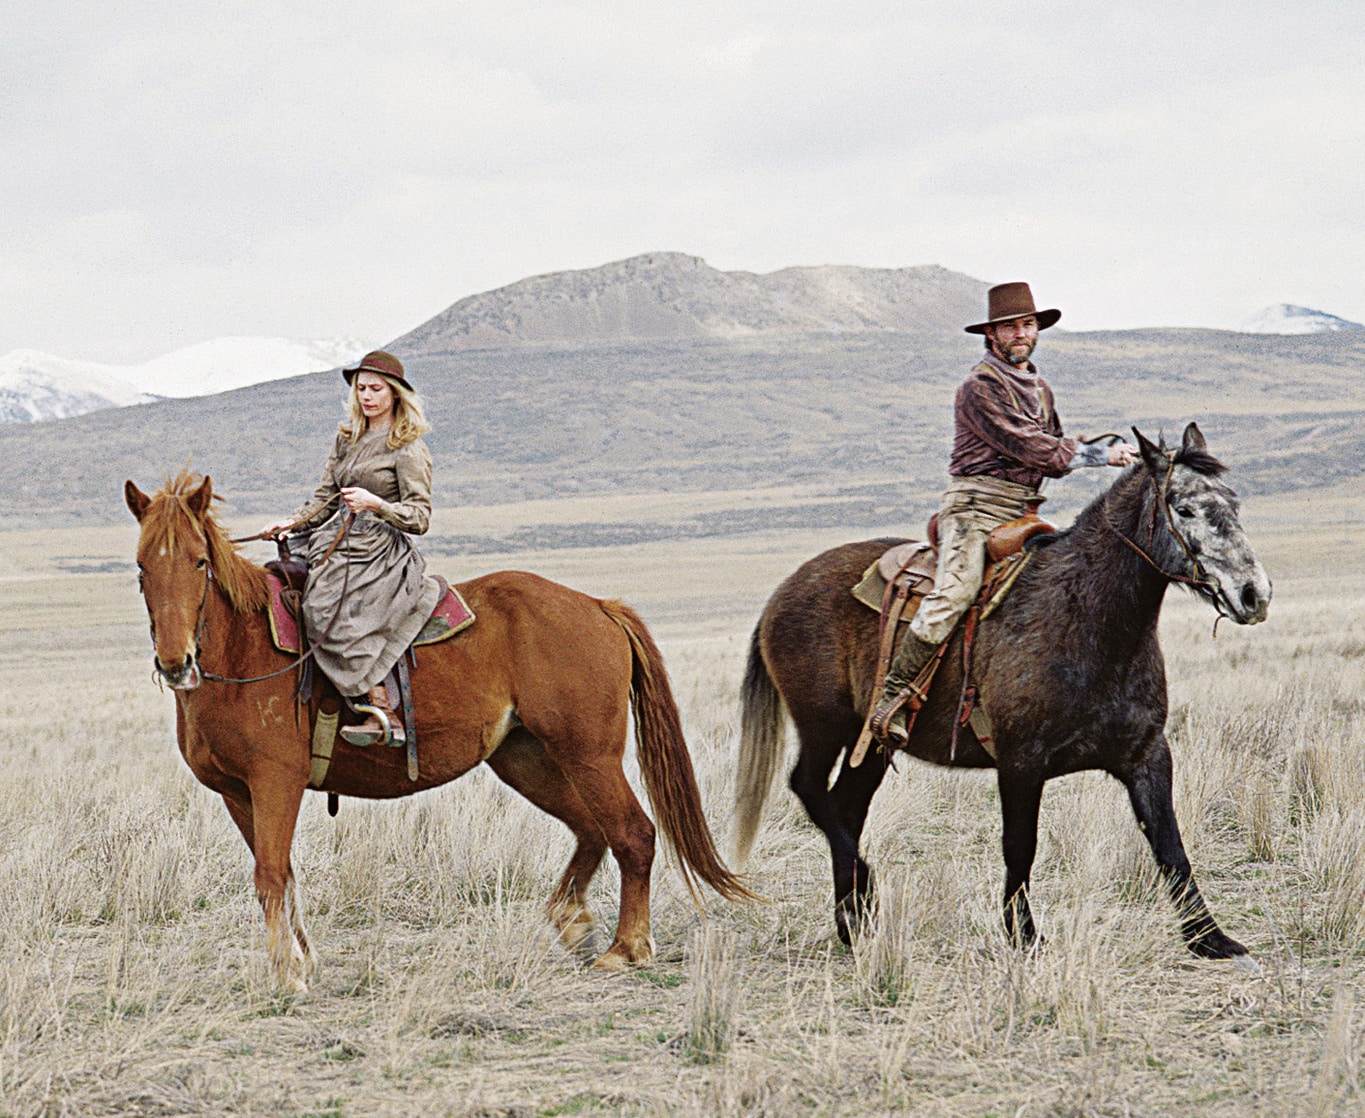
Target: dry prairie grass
<point>134,977</point>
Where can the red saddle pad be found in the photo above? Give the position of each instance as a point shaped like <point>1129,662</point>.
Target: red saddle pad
<point>451,615</point>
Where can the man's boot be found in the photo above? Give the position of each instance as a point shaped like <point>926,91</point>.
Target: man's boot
<point>381,723</point>
<point>908,662</point>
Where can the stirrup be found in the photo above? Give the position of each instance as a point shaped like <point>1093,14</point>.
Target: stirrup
<point>885,725</point>
<point>391,734</point>
<point>883,722</point>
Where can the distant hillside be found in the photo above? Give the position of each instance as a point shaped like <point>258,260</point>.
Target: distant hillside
<point>672,296</point>
<point>865,416</point>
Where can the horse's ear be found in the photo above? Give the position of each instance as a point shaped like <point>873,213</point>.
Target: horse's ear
<point>198,501</point>
<point>1151,453</point>
<point>137,500</point>
<point>1194,441</point>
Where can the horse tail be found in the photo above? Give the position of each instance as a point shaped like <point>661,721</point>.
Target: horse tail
<point>760,748</point>
<point>666,765</point>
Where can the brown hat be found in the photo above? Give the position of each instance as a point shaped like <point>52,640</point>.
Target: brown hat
<point>1008,301</point>
<point>381,362</point>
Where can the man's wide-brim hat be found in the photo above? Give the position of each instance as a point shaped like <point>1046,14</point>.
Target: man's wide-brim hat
<point>381,362</point>
<point>1008,301</point>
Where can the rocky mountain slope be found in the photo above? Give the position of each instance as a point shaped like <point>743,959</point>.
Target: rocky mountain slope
<point>670,295</point>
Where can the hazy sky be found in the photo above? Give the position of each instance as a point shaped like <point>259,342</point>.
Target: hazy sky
<point>174,172</point>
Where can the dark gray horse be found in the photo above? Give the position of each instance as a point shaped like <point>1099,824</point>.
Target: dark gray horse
<point>1069,671</point>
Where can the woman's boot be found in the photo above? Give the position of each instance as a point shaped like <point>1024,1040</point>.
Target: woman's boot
<point>381,723</point>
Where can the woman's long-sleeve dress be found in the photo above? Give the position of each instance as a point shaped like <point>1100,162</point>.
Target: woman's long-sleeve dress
<point>388,594</point>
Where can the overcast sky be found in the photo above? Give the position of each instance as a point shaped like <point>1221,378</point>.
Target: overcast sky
<point>174,172</point>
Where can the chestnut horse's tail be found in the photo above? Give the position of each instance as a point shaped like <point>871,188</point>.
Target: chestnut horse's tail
<point>760,748</point>
<point>667,767</point>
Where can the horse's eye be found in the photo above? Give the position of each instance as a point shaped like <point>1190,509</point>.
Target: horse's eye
<point>202,564</point>
<point>1185,511</point>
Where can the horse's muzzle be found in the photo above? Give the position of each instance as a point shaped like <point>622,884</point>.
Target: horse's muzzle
<point>183,677</point>
<point>1249,603</point>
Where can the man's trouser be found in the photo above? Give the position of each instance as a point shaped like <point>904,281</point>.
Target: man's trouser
<point>971,508</point>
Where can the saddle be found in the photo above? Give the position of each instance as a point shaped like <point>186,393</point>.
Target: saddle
<point>903,576</point>
<point>288,576</point>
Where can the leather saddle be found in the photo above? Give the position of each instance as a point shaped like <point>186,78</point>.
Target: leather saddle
<point>290,569</point>
<point>916,561</point>
<point>903,576</point>
<point>1009,538</point>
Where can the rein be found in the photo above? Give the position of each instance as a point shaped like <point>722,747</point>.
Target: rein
<point>213,677</point>
<point>288,528</point>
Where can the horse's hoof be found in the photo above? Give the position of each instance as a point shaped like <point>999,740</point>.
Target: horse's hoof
<point>621,956</point>
<point>850,921</point>
<point>1246,964</point>
<point>1216,945</point>
<point>586,948</point>
<point>580,939</point>
<point>289,987</point>
<point>611,963</point>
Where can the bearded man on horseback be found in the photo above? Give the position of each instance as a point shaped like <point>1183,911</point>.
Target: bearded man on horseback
<point>1008,438</point>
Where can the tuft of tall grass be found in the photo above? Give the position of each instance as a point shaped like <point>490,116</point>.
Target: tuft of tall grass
<point>714,979</point>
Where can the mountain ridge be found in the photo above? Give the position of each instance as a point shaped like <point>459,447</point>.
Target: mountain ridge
<point>673,295</point>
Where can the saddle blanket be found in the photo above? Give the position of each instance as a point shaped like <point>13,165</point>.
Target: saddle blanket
<point>452,615</point>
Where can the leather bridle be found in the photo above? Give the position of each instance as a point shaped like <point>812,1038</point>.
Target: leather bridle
<point>1160,500</point>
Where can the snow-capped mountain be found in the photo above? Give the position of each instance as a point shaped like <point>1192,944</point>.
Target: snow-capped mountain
<point>1286,318</point>
<point>36,386</point>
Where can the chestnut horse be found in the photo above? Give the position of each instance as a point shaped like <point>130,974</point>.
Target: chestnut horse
<point>539,688</point>
<point>1068,669</point>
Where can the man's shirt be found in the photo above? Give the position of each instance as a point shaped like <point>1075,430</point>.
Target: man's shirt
<point>1007,426</point>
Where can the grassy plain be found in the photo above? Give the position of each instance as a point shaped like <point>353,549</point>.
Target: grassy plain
<point>133,978</point>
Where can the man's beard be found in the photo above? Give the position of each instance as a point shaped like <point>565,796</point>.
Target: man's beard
<point>1016,354</point>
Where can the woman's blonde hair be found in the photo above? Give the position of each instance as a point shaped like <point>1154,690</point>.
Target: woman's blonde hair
<point>409,421</point>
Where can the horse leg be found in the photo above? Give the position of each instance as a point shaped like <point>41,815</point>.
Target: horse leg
<point>241,813</point>
<point>267,820</point>
<point>1149,790</point>
<point>840,813</point>
<point>596,775</point>
<point>522,763</point>
<point>1020,797</point>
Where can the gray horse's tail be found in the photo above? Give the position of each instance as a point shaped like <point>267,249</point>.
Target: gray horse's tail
<point>760,748</point>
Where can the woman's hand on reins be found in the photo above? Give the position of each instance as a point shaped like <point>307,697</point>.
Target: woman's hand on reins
<point>276,530</point>
<point>360,500</point>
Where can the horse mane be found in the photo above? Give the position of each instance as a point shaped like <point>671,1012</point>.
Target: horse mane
<point>246,585</point>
